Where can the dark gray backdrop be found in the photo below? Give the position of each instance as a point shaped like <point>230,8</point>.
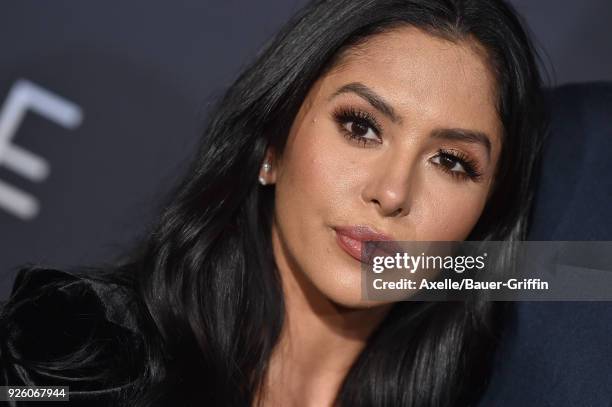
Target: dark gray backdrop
<point>112,98</point>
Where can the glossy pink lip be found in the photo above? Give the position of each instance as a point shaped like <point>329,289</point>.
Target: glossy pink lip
<point>351,238</point>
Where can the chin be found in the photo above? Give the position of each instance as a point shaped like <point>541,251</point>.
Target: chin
<point>357,304</point>
<point>340,283</point>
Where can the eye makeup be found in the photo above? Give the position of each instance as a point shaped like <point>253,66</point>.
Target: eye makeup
<point>448,160</point>
<point>357,124</point>
<point>361,127</point>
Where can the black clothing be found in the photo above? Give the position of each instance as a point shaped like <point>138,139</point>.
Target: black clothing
<point>61,329</point>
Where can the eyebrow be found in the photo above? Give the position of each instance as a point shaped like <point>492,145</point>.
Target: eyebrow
<point>371,97</point>
<point>377,102</point>
<point>469,136</point>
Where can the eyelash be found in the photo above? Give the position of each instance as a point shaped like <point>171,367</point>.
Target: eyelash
<point>344,115</point>
<point>469,165</point>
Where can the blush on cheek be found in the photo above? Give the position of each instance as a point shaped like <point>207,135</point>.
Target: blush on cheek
<point>457,218</point>
<point>445,210</point>
<point>317,162</point>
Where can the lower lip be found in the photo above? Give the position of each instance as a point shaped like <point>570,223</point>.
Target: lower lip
<point>351,246</point>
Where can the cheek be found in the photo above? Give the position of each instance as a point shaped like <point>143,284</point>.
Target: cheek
<point>304,188</point>
<point>448,210</point>
<point>323,176</point>
<point>316,172</point>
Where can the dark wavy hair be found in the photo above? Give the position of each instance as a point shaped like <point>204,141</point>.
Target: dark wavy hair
<point>211,304</point>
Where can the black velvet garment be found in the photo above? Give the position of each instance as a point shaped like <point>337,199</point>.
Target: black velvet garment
<point>60,329</point>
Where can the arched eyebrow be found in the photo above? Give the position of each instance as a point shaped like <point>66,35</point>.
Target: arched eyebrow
<point>371,97</point>
<point>379,103</point>
<point>469,136</point>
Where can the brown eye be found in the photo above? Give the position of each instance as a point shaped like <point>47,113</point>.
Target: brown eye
<point>358,126</point>
<point>457,164</point>
<point>451,163</point>
<point>361,129</point>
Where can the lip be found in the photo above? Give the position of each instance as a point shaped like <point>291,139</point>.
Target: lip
<point>351,238</point>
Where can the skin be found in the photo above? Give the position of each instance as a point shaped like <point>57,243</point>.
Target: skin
<point>396,184</point>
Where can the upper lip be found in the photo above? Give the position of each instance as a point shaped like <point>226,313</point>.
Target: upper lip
<point>362,233</point>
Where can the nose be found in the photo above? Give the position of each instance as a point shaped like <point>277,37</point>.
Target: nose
<point>390,187</point>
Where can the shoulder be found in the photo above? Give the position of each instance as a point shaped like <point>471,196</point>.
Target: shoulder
<point>62,328</point>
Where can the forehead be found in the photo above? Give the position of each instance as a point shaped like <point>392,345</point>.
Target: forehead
<point>424,77</point>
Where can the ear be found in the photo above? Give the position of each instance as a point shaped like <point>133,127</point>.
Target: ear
<point>269,168</point>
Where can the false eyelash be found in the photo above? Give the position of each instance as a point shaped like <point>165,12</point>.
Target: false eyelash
<point>469,165</point>
<point>344,115</point>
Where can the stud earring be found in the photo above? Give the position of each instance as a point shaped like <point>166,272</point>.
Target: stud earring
<point>266,167</point>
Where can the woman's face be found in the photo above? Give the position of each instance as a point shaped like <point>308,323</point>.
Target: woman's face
<point>400,140</point>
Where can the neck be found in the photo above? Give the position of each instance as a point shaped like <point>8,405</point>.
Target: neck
<point>319,343</point>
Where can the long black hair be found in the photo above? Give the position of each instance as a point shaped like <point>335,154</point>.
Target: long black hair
<point>204,276</point>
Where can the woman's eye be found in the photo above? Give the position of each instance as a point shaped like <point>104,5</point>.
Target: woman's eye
<point>358,126</point>
<point>457,164</point>
<point>361,130</point>
<point>450,163</point>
